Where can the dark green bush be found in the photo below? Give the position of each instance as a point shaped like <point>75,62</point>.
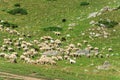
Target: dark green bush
<point>17,5</point>
<point>18,11</point>
<point>107,23</point>
<point>84,3</point>
<point>118,7</point>
<point>7,24</point>
<point>52,29</point>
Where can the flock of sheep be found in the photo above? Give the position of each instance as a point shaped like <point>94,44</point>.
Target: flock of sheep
<point>47,50</point>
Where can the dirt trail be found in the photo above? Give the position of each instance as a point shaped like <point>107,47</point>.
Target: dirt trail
<point>14,76</point>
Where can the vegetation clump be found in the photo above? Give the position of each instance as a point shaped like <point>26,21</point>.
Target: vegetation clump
<point>107,23</point>
<point>84,3</point>
<point>17,5</point>
<point>52,29</point>
<point>8,24</point>
<point>15,11</point>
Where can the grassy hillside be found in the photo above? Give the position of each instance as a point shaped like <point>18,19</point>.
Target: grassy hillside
<point>50,13</point>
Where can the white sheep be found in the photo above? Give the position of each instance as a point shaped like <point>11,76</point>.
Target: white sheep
<point>72,61</point>
<point>110,49</point>
<point>55,58</point>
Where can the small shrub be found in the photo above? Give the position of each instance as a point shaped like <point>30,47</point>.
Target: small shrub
<point>52,29</point>
<point>18,11</point>
<point>63,20</point>
<point>107,23</point>
<point>84,3</point>
<point>7,24</point>
<point>118,7</point>
<point>17,5</point>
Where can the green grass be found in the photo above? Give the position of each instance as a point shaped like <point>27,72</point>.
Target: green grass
<point>44,14</point>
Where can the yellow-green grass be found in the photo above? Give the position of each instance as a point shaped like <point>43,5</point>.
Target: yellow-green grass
<point>43,13</point>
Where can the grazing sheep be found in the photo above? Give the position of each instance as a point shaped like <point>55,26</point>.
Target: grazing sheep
<point>57,33</point>
<point>13,58</point>
<point>96,48</point>
<point>101,56</point>
<point>66,57</point>
<point>2,55</point>
<point>36,41</point>
<point>88,55</point>
<point>55,58</point>
<point>20,39</point>
<point>70,28</point>
<point>72,61</point>
<point>110,49</point>
<point>79,44</point>
<point>107,55</point>
<point>52,62</point>
<point>3,49</point>
<point>29,35</point>
<point>22,57</point>
<point>26,49</point>
<point>85,41</point>
<point>17,44</point>
<point>59,57</point>
<point>10,49</point>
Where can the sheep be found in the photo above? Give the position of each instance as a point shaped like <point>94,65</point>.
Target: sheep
<point>107,55</point>
<point>25,48</point>
<point>57,41</point>
<point>96,48</point>
<point>46,38</point>
<point>55,58</point>
<point>7,41</point>
<point>2,55</point>
<point>52,62</point>
<point>23,45</point>
<point>27,60</point>
<point>15,53</point>
<point>10,49</point>
<point>70,28</point>
<point>17,44</point>
<point>6,56</point>
<point>21,39</point>
<point>72,61</point>
<point>88,55</point>
<point>13,58</point>
<point>79,44</point>
<point>36,41</point>
<point>18,47</point>
<point>29,35</point>
<point>22,57</point>
<point>66,57</point>
<point>68,35</point>
<point>3,49</point>
<point>57,33</point>
<point>101,56</point>
<point>7,29</point>
<point>26,54</point>
<point>59,57</point>
<point>72,46</point>
<point>110,49</point>
<point>85,41</point>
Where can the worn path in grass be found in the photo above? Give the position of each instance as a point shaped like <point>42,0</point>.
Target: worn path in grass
<point>19,77</point>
